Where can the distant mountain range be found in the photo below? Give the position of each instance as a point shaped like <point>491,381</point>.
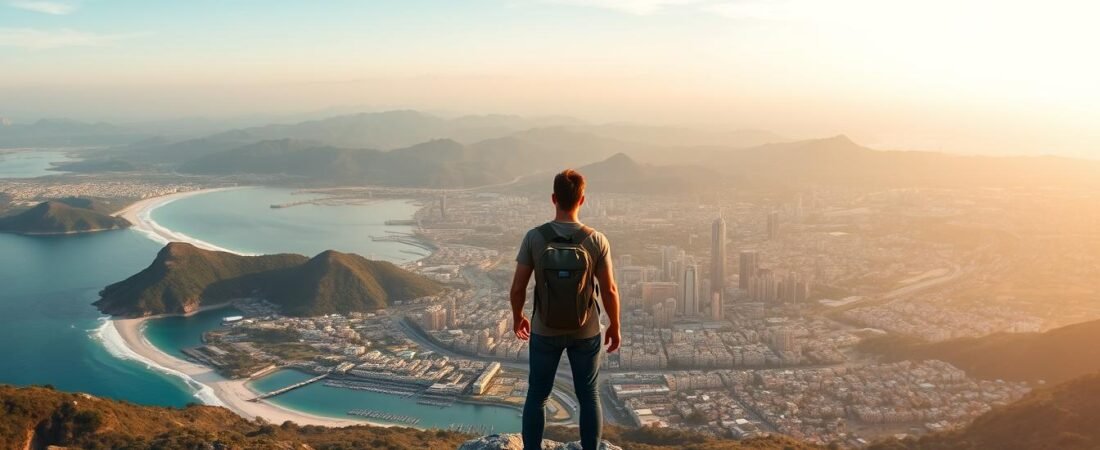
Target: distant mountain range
<point>65,133</point>
<point>1054,356</point>
<point>65,216</point>
<point>184,278</point>
<point>410,148</point>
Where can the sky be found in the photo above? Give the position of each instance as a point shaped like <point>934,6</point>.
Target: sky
<point>960,76</point>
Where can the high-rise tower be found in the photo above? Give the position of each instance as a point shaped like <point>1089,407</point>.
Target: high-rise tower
<point>749,262</point>
<point>689,306</point>
<point>718,256</point>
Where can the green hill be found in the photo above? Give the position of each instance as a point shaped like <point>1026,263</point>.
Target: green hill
<point>59,217</point>
<point>183,278</point>
<point>1063,417</point>
<point>36,418</point>
<point>1054,356</point>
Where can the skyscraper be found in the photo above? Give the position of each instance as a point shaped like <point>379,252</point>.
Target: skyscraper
<point>443,206</point>
<point>718,256</point>
<point>452,314</point>
<point>749,262</point>
<point>773,225</point>
<point>715,306</point>
<point>690,286</point>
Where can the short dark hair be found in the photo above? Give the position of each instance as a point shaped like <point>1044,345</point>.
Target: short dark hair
<point>568,189</point>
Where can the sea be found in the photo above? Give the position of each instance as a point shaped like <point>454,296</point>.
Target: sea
<point>30,164</point>
<point>52,335</point>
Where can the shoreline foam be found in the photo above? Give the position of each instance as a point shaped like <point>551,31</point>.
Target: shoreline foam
<point>124,338</point>
<point>140,216</point>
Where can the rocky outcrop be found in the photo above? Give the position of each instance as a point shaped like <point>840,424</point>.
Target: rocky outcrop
<point>515,442</point>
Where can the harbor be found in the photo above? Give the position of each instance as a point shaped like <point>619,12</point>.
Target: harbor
<point>388,417</point>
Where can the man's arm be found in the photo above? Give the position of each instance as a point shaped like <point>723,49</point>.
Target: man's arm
<point>518,296</point>
<point>609,294</point>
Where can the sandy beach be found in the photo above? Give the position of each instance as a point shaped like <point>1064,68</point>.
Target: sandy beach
<point>139,214</point>
<point>232,394</point>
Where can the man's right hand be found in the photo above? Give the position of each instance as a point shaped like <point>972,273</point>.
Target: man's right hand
<point>522,327</point>
<point>612,338</point>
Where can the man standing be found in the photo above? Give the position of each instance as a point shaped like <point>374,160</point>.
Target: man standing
<point>567,259</point>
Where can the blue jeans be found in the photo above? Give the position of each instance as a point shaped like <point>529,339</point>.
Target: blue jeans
<point>584,358</point>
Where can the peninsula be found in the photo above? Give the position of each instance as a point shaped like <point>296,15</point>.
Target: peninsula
<point>58,217</point>
<point>183,278</point>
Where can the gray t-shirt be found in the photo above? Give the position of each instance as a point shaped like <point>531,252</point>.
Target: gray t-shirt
<point>597,246</point>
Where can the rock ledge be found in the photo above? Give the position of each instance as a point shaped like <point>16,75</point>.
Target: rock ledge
<point>513,441</point>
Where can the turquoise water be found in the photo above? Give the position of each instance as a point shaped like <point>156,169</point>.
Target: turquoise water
<point>29,164</point>
<point>48,325</point>
<point>243,220</point>
<point>173,334</point>
<point>52,332</point>
<point>327,401</point>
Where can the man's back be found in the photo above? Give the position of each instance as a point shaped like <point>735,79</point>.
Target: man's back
<point>565,258</point>
<point>597,247</point>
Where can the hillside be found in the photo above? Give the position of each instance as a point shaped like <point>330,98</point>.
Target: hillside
<point>183,278</point>
<point>1062,417</point>
<point>60,217</point>
<point>35,418</point>
<point>622,174</point>
<point>1054,356</point>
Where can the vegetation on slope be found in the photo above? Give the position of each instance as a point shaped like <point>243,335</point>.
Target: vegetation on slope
<point>38,417</point>
<point>183,278</point>
<point>61,217</point>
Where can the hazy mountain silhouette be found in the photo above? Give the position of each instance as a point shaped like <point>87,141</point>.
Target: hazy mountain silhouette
<point>65,132</point>
<point>838,161</point>
<point>1054,356</point>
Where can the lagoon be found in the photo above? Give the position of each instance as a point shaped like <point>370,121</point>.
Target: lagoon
<point>30,164</point>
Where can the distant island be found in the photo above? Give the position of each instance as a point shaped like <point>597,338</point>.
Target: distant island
<point>184,278</point>
<point>67,216</point>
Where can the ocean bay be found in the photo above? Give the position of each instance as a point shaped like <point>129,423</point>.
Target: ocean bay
<point>55,316</point>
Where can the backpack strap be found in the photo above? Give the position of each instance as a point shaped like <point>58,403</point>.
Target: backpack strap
<point>580,235</point>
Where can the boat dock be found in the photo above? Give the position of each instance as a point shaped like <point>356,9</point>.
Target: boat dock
<point>291,387</point>
<point>389,417</point>
<point>471,429</point>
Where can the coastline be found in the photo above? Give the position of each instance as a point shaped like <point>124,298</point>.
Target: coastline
<point>216,389</point>
<point>125,338</point>
<point>139,214</point>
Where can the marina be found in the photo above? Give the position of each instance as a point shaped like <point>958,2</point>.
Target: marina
<point>389,417</point>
